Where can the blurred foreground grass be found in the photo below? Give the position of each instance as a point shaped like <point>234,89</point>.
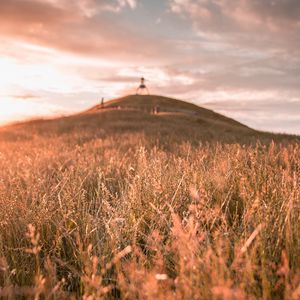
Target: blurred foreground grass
<point>102,208</point>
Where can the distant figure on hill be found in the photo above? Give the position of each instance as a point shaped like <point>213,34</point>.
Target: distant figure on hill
<point>102,103</point>
<point>142,87</point>
<point>156,109</point>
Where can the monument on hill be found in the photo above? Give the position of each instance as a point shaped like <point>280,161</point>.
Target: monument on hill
<point>142,88</point>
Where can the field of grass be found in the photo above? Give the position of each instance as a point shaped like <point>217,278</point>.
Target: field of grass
<point>136,206</point>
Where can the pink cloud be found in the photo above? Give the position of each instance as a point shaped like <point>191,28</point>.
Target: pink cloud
<point>245,21</point>
<point>81,27</point>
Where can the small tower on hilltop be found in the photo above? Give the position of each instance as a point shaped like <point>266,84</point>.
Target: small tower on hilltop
<point>142,89</point>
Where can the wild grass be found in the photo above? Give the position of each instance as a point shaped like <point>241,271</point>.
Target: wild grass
<point>130,216</point>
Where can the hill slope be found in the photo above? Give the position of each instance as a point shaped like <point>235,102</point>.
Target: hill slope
<point>175,121</point>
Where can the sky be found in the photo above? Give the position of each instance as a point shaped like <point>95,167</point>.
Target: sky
<point>238,57</point>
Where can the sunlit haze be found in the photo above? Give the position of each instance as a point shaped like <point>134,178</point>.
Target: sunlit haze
<point>238,57</point>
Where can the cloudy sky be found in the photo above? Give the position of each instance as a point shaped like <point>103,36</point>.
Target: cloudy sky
<point>237,57</point>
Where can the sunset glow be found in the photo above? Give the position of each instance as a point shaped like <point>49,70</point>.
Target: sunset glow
<point>60,57</point>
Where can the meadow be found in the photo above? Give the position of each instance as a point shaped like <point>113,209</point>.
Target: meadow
<point>127,211</point>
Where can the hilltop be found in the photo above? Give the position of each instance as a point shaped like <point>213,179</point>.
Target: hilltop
<point>154,117</point>
<point>170,106</point>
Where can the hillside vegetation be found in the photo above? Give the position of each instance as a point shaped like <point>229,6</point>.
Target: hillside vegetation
<point>121,203</point>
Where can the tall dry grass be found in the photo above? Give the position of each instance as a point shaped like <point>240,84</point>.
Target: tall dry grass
<point>126,217</point>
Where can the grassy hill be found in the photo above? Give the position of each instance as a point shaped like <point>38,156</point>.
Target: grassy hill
<point>121,203</point>
<point>177,121</point>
